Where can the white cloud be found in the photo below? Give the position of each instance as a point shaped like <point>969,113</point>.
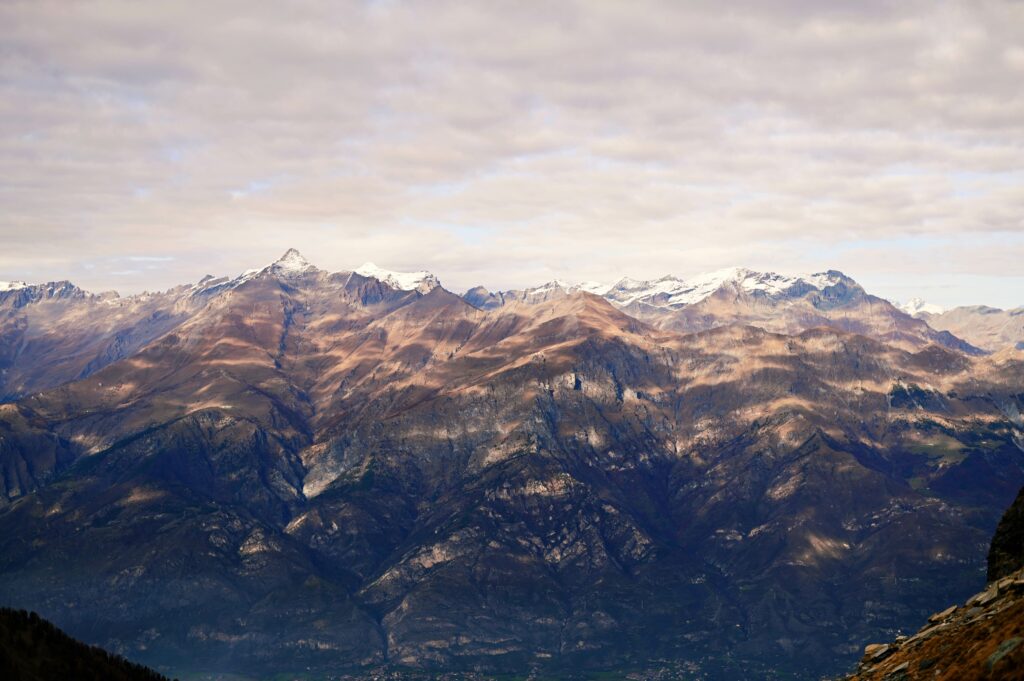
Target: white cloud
<point>501,142</point>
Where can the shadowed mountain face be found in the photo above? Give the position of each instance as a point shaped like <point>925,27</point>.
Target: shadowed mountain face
<point>320,470</point>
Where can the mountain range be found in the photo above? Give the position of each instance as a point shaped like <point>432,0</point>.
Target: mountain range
<point>298,469</point>
<point>986,327</point>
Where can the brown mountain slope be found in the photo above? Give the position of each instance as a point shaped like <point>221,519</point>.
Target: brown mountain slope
<point>766,300</point>
<point>55,333</point>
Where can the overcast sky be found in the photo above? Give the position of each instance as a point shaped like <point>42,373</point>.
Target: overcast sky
<point>145,144</point>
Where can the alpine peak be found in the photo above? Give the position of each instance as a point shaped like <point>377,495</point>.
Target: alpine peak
<point>292,262</point>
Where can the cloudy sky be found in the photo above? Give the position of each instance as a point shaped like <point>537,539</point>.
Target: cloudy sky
<point>145,144</point>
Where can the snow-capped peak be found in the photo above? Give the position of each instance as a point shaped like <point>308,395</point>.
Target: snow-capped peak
<point>544,291</point>
<point>291,262</point>
<point>917,306</point>
<point>672,291</point>
<point>12,286</point>
<point>627,290</point>
<point>421,281</point>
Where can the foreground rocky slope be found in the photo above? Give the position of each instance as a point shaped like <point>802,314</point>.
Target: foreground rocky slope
<point>320,470</point>
<point>983,638</point>
<point>980,639</point>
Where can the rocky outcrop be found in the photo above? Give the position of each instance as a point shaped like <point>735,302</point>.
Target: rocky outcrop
<point>982,638</point>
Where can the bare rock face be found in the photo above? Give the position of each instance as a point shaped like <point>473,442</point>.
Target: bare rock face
<point>322,471</point>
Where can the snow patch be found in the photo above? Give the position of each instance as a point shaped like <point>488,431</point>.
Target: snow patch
<point>12,286</point>
<point>421,281</point>
<point>595,287</point>
<point>672,291</point>
<point>916,306</point>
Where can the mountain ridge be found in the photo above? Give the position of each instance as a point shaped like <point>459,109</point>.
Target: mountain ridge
<point>37,321</point>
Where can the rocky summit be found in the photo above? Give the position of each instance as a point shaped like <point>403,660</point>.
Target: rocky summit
<point>335,472</point>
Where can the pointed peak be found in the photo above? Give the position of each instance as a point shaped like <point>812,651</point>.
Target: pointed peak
<point>292,262</point>
<point>735,272</point>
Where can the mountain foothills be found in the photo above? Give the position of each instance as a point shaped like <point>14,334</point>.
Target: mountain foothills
<point>302,470</point>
